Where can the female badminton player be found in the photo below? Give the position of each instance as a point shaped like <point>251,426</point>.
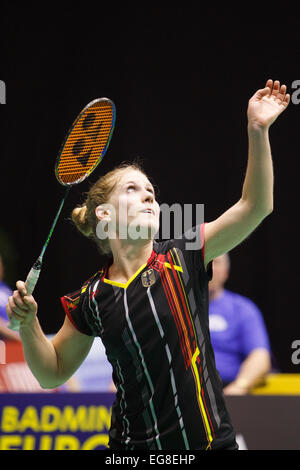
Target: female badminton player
<point>149,303</point>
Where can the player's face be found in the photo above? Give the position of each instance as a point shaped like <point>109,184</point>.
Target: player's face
<point>137,211</point>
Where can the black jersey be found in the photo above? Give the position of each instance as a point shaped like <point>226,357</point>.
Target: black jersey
<point>156,336</point>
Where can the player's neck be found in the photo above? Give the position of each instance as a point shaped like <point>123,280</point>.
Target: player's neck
<point>128,258</point>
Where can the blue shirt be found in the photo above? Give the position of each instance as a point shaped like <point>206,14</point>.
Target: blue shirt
<point>5,292</point>
<point>236,328</point>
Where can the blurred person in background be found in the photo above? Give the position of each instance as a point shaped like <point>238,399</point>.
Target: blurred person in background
<point>238,333</point>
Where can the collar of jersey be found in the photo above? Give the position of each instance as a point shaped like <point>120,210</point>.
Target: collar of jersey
<point>125,285</point>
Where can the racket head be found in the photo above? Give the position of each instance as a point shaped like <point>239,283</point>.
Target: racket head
<point>86,142</point>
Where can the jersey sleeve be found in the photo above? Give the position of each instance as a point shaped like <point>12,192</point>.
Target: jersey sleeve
<point>73,305</point>
<point>192,245</point>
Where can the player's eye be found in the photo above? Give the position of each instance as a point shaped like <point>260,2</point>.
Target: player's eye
<point>131,188</point>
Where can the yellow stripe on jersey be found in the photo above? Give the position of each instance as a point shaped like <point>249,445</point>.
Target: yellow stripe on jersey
<point>126,284</point>
<point>203,411</point>
<point>178,268</point>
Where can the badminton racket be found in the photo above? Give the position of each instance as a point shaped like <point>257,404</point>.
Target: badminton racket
<point>81,152</point>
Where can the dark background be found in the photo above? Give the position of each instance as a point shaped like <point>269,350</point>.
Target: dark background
<point>181,78</point>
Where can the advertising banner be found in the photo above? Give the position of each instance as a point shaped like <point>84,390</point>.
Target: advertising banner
<point>57,421</point>
<point>81,421</point>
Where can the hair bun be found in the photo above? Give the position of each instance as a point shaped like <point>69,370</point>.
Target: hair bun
<point>80,219</point>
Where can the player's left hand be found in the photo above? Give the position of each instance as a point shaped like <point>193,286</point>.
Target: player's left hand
<point>266,104</point>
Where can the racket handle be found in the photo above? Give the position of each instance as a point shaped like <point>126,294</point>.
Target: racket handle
<point>30,284</point>
<point>33,276</point>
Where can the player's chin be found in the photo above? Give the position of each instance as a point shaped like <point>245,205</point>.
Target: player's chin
<point>145,231</point>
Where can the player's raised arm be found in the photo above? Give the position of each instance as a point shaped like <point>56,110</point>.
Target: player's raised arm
<point>256,201</point>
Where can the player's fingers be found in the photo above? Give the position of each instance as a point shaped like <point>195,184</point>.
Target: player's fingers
<point>261,93</point>
<point>276,87</point>
<point>16,312</point>
<point>30,303</point>
<point>282,91</point>
<point>287,98</point>
<point>21,286</point>
<point>269,83</point>
<point>280,97</point>
<point>23,300</point>
<point>19,300</point>
<point>8,311</point>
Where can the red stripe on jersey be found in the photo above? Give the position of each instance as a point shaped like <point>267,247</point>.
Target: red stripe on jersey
<point>175,317</point>
<point>68,313</point>
<point>182,299</point>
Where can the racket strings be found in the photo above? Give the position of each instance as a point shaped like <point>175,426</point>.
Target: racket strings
<point>86,142</point>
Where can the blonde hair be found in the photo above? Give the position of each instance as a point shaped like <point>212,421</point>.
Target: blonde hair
<point>84,216</point>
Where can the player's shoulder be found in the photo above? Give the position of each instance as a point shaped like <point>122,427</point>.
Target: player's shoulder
<point>92,279</point>
<point>77,294</point>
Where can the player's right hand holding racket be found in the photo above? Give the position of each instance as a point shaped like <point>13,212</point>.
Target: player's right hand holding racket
<point>21,306</point>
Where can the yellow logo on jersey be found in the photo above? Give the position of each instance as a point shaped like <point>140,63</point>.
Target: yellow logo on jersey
<point>148,278</point>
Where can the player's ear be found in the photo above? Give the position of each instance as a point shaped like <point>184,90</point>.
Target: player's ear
<point>103,212</point>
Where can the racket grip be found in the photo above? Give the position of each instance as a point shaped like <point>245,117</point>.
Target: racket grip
<point>33,277</point>
<point>30,284</point>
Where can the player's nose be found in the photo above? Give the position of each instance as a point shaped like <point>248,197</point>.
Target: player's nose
<point>147,196</point>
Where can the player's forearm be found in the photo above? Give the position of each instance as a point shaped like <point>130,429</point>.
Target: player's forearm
<point>253,369</point>
<point>259,179</point>
<point>40,355</point>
